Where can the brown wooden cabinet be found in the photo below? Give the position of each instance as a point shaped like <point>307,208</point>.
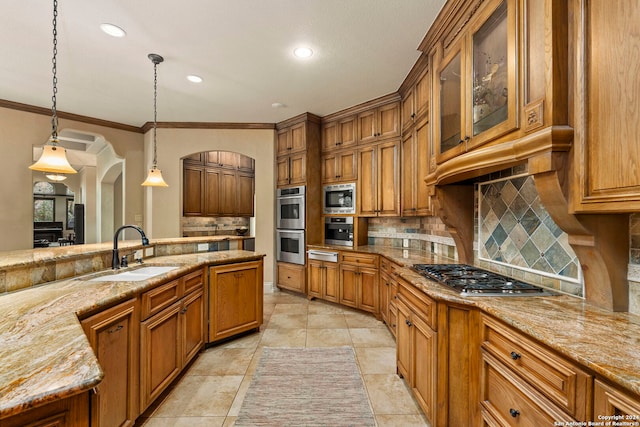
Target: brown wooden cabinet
<point>476,83</point>
<point>292,139</point>
<point>292,170</point>
<point>610,400</point>
<point>378,192</point>
<point>340,133</point>
<point>417,355</point>
<point>359,282</point>
<point>291,276</point>
<point>235,299</point>
<point>521,379</point>
<point>69,412</point>
<point>172,332</point>
<point>339,166</point>
<point>114,337</point>
<point>298,151</point>
<point>323,280</point>
<point>416,156</point>
<point>221,183</point>
<point>415,101</point>
<point>379,123</point>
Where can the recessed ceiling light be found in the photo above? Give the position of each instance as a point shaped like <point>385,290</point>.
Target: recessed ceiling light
<point>278,105</point>
<point>194,79</point>
<point>113,30</point>
<point>302,52</point>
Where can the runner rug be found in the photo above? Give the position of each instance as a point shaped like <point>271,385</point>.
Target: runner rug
<point>306,387</point>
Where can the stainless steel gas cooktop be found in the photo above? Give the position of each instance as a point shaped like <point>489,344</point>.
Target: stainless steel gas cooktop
<point>473,281</point>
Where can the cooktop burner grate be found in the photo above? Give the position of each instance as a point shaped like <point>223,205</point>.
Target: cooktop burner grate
<point>473,281</point>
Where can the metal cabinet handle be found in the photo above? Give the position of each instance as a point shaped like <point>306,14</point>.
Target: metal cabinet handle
<point>515,356</point>
<point>116,329</point>
<point>408,323</point>
<point>514,412</point>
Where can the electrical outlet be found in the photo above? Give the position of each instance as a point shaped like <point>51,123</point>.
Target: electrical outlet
<point>405,253</point>
<point>405,243</point>
<point>148,251</point>
<point>203,247</point>
<point>137,254</point>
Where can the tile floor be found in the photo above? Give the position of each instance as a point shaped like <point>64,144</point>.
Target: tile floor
<point>210,393</point>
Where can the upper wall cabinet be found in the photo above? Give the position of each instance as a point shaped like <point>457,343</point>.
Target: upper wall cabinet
<point>605,96</point>
<point>415,101</point>
<point>379,123</point>
<point>476,88</point>
<point>340,133</point>
<point>298,151</point>
<point>292,140</point>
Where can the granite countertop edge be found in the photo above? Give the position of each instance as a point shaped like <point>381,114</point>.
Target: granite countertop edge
<point>603,341</point>
<point>46,355</point>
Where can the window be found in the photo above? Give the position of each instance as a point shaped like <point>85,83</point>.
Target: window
<point>44,209</point>
<point>70,217</point>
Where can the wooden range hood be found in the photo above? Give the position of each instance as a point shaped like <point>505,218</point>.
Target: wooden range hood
<point>600,241</point>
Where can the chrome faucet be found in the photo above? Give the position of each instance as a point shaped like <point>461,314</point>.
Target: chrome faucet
<point>115,258</point>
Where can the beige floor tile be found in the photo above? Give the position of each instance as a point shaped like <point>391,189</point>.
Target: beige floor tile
<point>200,396</point>
<point>287,321</point>
<point>229,421</point>
<point>237,402</point>
<point>362,320</point>
<point>389,395</point>
<point>324,307</point>
<point>246,341</point>
<point>328,337</point>
<point>222,361</point>
<point>327,321</point>
<point>367,337</point>
<point>254,362</point>
<point>290,309</point>
<point>284,338</point>
<point>185,422</point>
<point>376,360</point>
<point>402,421</point>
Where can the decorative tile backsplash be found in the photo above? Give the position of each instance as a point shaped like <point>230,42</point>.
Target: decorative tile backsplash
<point>514,228</point>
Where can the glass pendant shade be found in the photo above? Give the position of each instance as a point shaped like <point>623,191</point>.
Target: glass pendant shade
<point>54,160</point>
<point>55,176</point>
<point>154,179</point>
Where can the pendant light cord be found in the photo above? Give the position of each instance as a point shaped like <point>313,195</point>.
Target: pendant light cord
<point>155,111</point>
<point>54,117</point>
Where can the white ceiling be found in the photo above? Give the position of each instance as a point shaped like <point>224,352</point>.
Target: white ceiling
<point>241,48</point>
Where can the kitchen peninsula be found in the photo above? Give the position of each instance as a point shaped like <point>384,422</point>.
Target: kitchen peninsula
<point>47,358</point>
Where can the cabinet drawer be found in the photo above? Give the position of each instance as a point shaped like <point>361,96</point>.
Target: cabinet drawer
<point>508,400</point>
<point>363,260</point>
<point>423,306</point>
<point>557,378</point>
<point>161,297</point>
<point>291,276</point>
<point>193,281</point>
<point>609,400</point>
<point>388,267</point>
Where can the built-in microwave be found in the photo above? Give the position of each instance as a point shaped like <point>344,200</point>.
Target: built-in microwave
<point>291,210</point>
<point>339,198</point>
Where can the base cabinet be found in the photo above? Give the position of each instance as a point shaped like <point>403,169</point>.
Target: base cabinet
<point>113,335</point>
<point>171,337</point>
<point>235,299</point>
<point>70,412</point>
<point>323,280</point>
<point>609,400</point>
<point>291,277</point>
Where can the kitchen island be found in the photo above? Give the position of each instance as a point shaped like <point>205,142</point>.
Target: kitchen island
<point>45,353</point>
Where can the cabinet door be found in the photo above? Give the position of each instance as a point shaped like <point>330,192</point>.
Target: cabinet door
<point>388,121</point>
<point>298,169</point>
<point>385,290</point>
<point>329,136</point>
<point>403,340</point>
<point>245,195</point>
<point>347,166</point>
<point>422,159</point>
<point>160,353</point>
<point>408,109</point>
<point>330,168</point>
<point>368,292</point>
<point>282,171</point>
<point>367,126</point>
<point>235,299</point>
<point>349,285</point>
<point>298,138</point>
<point>331,282</point>
<point>423,366</point>
<point>113,335</point>
<point>228,193</point>
<point>450,106</point>
<point>422,93</point>
<point>408,175</point>
<point>196,158</point>
<point>229,159</point>
<point>283,145</point>
<point>347,132</point>
<point>315,270</point>
<point>246,164</point>
<point>192,325</point>
<point>609,400</point>
<point>212,194</point>
<point>193,185</point>
<point>388,160</point>
<point>367,182</point>
<point>69,412</point>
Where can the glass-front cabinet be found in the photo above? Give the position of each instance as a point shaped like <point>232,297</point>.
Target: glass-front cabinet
<point>477,79</point>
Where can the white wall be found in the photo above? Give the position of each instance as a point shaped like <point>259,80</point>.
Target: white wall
<point>163,206</point>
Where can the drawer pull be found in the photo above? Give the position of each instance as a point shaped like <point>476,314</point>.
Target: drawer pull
<point>515,356</point>
<point>514,412</point>
<point>407,322</point>
<point>116,329</point>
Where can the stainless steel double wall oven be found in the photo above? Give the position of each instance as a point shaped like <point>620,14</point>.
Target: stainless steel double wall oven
<point>290,238</point>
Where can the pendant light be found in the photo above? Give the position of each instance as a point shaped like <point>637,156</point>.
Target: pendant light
<point>154,179</point>
<point>53,158</point>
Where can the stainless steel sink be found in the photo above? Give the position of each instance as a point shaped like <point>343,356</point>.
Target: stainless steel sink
<point>139,274</point>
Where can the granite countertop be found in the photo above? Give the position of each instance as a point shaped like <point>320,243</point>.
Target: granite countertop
<point>44,352</point>
<point>606,342</point>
